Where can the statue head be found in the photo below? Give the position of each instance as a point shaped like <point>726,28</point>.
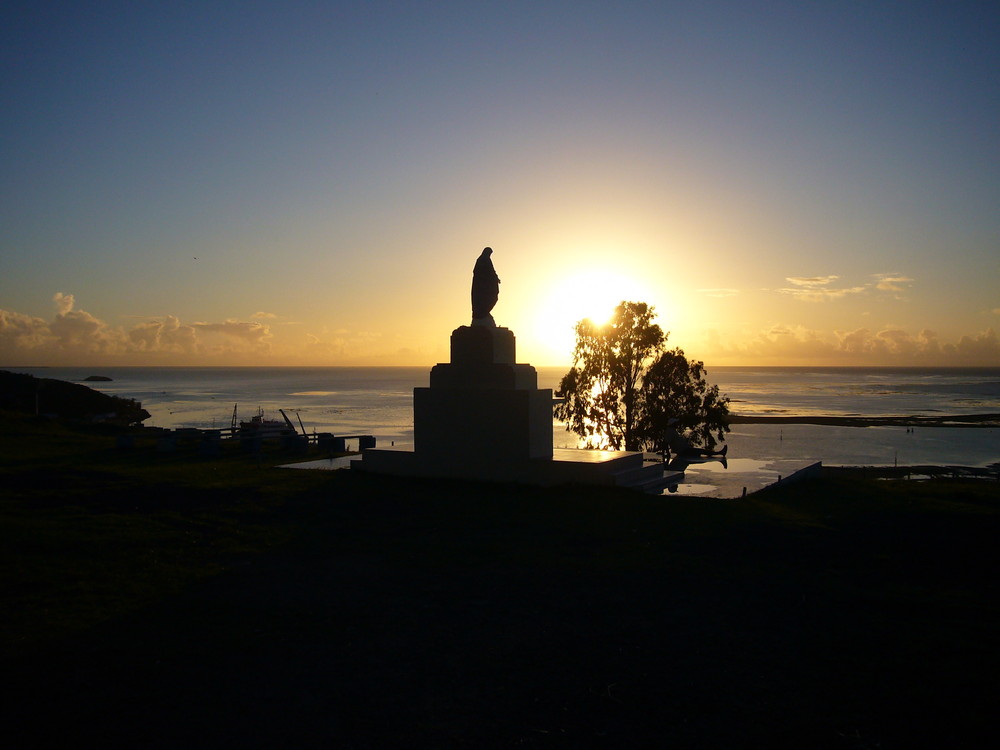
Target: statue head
<point>487,251</point>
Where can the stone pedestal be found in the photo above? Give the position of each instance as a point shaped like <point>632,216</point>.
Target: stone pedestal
<point>482,406</point>
<point>484,418</point>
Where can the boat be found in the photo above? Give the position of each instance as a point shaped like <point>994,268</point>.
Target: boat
<point>259,425</point>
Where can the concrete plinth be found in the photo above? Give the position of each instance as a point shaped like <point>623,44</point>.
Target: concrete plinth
<point>482,405</point>
<point>482,358</point>
<point>482,345</point>
<point>505,424</point>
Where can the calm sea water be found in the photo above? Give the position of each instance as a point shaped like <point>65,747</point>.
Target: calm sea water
<point>379,401</point>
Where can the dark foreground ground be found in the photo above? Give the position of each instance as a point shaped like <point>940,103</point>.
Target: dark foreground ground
<point>175,601</point>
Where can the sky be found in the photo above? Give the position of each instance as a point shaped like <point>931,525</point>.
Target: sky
<point>310,183</point>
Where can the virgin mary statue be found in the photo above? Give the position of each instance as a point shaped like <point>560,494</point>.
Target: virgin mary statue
<point>485,289</point>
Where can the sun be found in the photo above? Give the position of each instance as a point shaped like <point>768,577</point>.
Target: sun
<point>592,293</point>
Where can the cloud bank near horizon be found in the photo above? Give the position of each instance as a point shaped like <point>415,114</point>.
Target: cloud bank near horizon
<point>75,334</point>
<point>797,345</point>
<point>76,337</point>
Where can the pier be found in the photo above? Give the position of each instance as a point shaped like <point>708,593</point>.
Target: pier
<point>210,440</point>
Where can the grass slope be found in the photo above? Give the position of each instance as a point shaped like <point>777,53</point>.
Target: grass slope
<point>171,600</point>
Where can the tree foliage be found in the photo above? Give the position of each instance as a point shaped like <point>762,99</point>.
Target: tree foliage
<point>626,388</point>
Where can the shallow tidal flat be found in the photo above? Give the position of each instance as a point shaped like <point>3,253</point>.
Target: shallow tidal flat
<point>956,420</point>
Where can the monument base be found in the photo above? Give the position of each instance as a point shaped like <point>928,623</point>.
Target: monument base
<point>565,466</point>
<point>502,424</point>
<point>484,417</point>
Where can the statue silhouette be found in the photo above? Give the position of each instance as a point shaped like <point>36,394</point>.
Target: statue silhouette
<point>485,288</point>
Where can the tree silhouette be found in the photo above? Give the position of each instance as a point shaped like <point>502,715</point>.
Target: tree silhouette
<point>626,389</point>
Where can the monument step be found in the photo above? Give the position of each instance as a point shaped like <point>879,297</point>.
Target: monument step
<point>655,486</point>
<point>637,475</point>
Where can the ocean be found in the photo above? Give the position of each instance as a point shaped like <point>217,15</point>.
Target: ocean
<point>379,401</point>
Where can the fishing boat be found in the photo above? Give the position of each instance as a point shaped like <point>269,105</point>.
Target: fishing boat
<point>259,425</point>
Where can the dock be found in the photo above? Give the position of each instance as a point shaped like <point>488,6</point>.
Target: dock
<point>209,441</point>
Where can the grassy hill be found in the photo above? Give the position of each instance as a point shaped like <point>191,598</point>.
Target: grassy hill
<point>170,600</point>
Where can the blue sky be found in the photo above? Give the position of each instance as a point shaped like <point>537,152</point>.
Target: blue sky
<point>311,183</point>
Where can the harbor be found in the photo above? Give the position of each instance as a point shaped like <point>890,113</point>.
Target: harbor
<point>251,435</point>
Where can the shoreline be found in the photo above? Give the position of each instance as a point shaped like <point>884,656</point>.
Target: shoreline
<point>912,471</point>
<point>958,420</point>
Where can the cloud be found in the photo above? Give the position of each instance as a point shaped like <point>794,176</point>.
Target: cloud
<point>780,344</point>
<point>341,343</point>
<point>893,344</point>
<point>252,332</point>
<point>71,332</point>
<point>79,331</point>
<point>892,282</point>
<point>816,289</point>
<point>984,347</point>
<point>238,336</point>
<point>167,335</point>
<point>811,281</point>
<point>821,289</point>
<point>76,336</point>
<point>19,331</point>
<point>854,342</point>
<point>316,347</point>
<point>263,316</point>
<point>64,302</point>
